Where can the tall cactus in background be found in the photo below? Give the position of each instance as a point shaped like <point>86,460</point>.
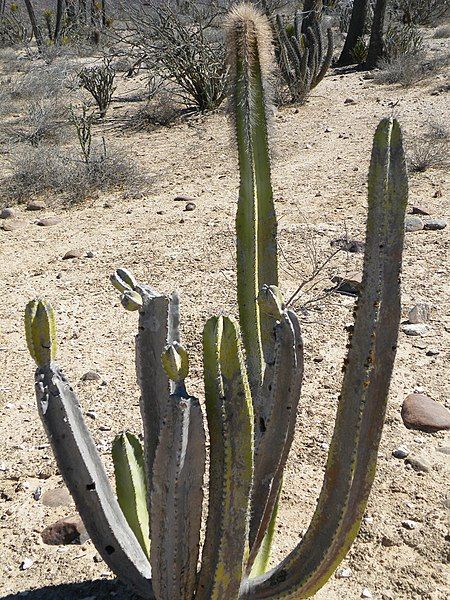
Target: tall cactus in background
<point>301,54</point>
<point>150,535</point>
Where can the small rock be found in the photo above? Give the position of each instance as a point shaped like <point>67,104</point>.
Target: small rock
<point>12,225</point>
<point>414,328</point>
<point>56,497</point>
<point>401,452</point>
<point>190,206</point>
<point>420,313</point>
<point>36,205</point>
<point>318,359</point>
<point>3,467</point>
<point>408,524</point>
<point>420,210</point>
<point>89,254</point>
<point>76,253</point>
<point>97,558</point>
<point>418,464</point>
<point>160,212</point>
<point>350,285</point>
<point>70,530</point>
<point>328,129</point>
<point>91,414</point>
<point>388,542</point>
<point>26,564</point>
<point>435,224</point>
<point>37,493</point>
<point>343,573</point>
<point>432,352</point>
<point>105,428</point>
<point>48,221</point>
<point>91,376</point>
<point>354,246</point>
<point>444,449</point>
<point>366,593</point>
<point>424,414</point>
<point>413,223</point>
<point>349,101</point>
<point>183,198</point>
<point>8,213</point>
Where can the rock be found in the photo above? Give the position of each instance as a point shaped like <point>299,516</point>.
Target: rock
<point>349,101</point>
<point>12,225</point>
<point>350,285</point>
<point>36,205</point>
<point>190,206</point>
<point>344,573</point>
<point>420,210</point>
<point>401,452</point>
<point>366,593</point>
<point>408,524</point>
<point>105,428</point>
<point>435,224</point>
<point>76,253</point>
<point>37,493</point>
<point>418,464</point>
<point>444,449</point>
<point>89,254</point>
<point>48,221</point>
<point>183,198</point>
<point>432,352</point>
<point>414,329</point>
<point>70,530</point>
<point>318,359</point>
<point>354,246</point>
<point>420,313</point>
<point>424,414</point>
<point>91,376</point>
<point>56,497</point>
<point>26,564</point>
<point>91,414</point>
<point>8,213</point>
<point>413,223</point>
<point>328,129</point>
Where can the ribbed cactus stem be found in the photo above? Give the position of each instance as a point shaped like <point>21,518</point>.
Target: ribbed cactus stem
<point>40,330</point>
<point>250,60</point>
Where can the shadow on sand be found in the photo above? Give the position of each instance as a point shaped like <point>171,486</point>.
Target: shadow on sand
<point>87,590</point>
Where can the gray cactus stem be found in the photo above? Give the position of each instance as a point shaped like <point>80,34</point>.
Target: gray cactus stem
<point>80,464</point>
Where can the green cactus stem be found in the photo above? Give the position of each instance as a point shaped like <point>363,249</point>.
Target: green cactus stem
<point>250,60</point>
<point>131,487</point>
<point>353,450</point>
<point>40,331</point>
<point>230,422</point>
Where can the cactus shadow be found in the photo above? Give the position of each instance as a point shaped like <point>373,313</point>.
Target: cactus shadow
<point>88,590</point>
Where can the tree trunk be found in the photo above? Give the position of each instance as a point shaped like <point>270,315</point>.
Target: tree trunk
<point>376,47</point>
<point>355,30</point>
<point>59,20</point>
<point>103,13</point>
<point>34,25</point>
<point>2,7</point>
<point>83,11</point>
<point>313,10</point>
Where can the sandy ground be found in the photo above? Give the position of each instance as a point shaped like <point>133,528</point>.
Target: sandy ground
<point>321,155</point>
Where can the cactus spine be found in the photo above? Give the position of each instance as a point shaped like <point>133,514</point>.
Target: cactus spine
<point>251,399</point>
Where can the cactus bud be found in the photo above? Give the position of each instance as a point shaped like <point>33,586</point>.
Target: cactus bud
<point>175,362</point>
<point>271,301</point>
<point>40,330</point>
<point>131,300</point>
<point>123,280</point>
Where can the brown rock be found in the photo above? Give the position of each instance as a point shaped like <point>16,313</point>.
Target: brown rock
<point>12,225</point>
<point>419,464</point>
<point>48,221</point>
<point>70,530</point>
<point>350,285</point>
<point>56,497</point>
<point>8,213</point>
<point>36,205</point>
<point>424,414</point>
<point>76,253</point>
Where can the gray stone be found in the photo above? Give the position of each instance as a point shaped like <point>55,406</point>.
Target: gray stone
<point>413,223</point>
<point>418,464</point>
<point>353,246</point>
<point>420,313</point>
<point>56,497</point>
<point>435,224</point>
<point>408,524</point>
<point>432,352</point>
<point>70,530</point>
<point>91,376</point>
<point>350,285</point>
<point>48,221</point>
<point>12,225</point>
<point>75,253</point>
<point>420,210</point>
<point>414,328</point>
<point>183,198</point>
<point>36,205</point>
<point>8,213</point>
<point>26,564</point>
<point>401,452</point>
<point>425,414</point>
<point>366,593</point>
<point>190,206</point>
<point>344,573</point>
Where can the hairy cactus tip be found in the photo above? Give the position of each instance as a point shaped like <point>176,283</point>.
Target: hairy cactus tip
<point>40,331</point>
<point>175,362</point>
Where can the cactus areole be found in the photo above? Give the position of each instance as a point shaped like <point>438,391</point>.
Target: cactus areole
<point>148,532</point>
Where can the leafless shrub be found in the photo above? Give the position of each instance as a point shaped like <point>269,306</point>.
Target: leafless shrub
<point>401,39</point>
<point>43,80</point>
<point>99,82</point>
<point>43,121</point>
<point>431,149</point>
<point>409,69</point>
<point>443,31</point>
<point>423,12</point>
<point>161,110</point>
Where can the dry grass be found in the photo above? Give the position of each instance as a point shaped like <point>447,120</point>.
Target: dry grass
<point>408,69</point>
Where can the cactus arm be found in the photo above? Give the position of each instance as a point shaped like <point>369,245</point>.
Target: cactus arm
<point>262,560</point>
<point>353,450</point>
<point>326,61</point>
<point>131,487</point>
<point>249,58</point>
<point>80,464</point>
<point>277,425</point>
<point>176,500</point>
<point>40,331</point>
<point>230,423</point>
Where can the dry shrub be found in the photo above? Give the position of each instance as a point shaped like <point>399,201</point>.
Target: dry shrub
<point>409,69</point>
<point>442,32</point>
<point>430,151</point>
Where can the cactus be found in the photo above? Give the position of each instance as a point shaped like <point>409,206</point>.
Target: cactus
<point>301,56</point>
<point>150,535</point>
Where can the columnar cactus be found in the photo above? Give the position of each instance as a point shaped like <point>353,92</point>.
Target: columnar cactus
<point>150,535</point>
<point>301,57</point>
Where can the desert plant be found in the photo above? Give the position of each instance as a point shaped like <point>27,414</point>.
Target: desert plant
<point>99,82</point>
<point>302,58</point>
<point>408,69</point>
<point>401,39</point>
<point>423,12</point>
<point>83,124</point>
<point>359,51</point>
<point>251,402</point>
<point>12,28</point>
